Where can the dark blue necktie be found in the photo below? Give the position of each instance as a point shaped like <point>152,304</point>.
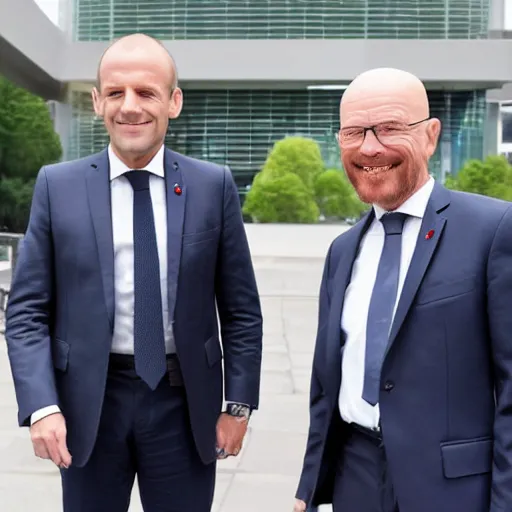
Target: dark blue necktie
<point>150,359</point>
<point>382,304</point>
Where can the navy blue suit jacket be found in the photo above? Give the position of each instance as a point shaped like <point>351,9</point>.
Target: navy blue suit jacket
<point>60,315</point>
<point>446,386</point>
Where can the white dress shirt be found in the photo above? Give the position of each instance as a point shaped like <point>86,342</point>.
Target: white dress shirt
<point>122,231</point>
<point>353,408</point>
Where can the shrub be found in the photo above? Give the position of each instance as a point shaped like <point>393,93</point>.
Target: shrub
<point>294,155</point>
<point>490,177</point>
<point>336,197</point>
<point>283,199</point>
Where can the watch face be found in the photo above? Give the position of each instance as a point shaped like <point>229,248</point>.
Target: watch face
<point>239,410</point>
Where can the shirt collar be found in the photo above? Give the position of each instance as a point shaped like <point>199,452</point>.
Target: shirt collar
<point>416,205</point>
<point>118,167</point>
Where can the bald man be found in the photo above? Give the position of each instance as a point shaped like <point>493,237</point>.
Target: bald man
<point>411,388</point>
<point>130,257</point>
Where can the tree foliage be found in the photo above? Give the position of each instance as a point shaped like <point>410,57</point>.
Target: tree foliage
<point>490,177</point>
<point>283,199</point>
<point>336,197</point>
<point>283,190</point>
<point>27,142</point>
<point>294,155</point>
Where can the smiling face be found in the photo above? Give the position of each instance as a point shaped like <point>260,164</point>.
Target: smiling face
<point>387,168</point>
<point>136,98</point>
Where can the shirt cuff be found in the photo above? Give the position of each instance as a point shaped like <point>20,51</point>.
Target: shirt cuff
<point>42,413</point>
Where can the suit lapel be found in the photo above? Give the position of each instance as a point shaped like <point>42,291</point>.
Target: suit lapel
<point>98,193</point>
<point>425,249</point>
<point>335,337</point>
<point>175,219</point>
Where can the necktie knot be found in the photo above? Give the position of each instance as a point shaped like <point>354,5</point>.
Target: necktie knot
<point>393,222</point>
<point>139,180</point>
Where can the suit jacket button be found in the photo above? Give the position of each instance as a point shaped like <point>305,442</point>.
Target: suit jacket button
<point>389,385</point>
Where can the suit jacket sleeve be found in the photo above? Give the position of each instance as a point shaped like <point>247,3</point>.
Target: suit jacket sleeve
<point>28,315</point>
<point>499,291</point>
<point>318,400</point>
<point>238,304</point>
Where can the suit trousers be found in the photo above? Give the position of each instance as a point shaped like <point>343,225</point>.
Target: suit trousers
<point>362,482</point>
<point>144,433</point>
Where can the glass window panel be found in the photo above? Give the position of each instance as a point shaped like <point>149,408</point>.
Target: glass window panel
<point>282,19</point>
<point>506,123</point>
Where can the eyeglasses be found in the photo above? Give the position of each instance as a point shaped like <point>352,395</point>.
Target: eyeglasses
<point>387,133</point>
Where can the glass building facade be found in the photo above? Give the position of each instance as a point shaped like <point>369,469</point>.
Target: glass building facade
<point>282,19</point>
<point>239,127</point>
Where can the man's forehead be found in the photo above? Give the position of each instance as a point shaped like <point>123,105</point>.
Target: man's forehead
<point>375,115</point>
<point>405,106</point>
<point>137,57</point>
<point>376,110</point>
<point>134,62</point>
<point>132,68</point>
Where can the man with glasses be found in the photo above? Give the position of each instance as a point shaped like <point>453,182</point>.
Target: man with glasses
<point>411,387</point>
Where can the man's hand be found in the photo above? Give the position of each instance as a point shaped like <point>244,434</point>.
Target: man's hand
<point>49,440</point>
<point>230,435</point>
<point>300,506</point>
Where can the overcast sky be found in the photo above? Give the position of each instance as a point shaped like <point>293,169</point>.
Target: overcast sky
<point>51,8</point>
<point>508,14</point>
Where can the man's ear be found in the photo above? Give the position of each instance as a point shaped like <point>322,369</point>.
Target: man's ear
<point>433,132</point>
<point>97,102</point>
<point>176,103</point>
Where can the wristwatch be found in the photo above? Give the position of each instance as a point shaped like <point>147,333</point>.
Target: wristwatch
<point>239,410</point>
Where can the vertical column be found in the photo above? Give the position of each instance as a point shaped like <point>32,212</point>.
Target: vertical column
<point>492,126</point>
<point>446,19</point>
<point>61,113</point>
<point>111,21</point>
<point>446,167</point>
<point>496,18</point>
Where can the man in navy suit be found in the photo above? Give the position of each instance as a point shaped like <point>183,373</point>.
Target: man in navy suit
<point>112,328</point>
<point>411,387</point>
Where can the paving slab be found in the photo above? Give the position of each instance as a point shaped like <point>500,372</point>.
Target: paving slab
<point>292,240</point>
<point>282,413</point>
<point>260,493</point>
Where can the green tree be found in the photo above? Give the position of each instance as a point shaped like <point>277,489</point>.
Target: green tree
<point>336,197</point>
<point>490,177</point>
<point>283,190</point>
<point>294,155</point>
<point>283,199</point>
<point>27,142</point>
<point>15,200</point>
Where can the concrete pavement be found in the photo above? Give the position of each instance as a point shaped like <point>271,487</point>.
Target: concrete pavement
<point>263,478</point>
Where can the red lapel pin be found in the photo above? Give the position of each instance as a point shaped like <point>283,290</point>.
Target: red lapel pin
<point>429,235</point>
<point>177,189</point>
